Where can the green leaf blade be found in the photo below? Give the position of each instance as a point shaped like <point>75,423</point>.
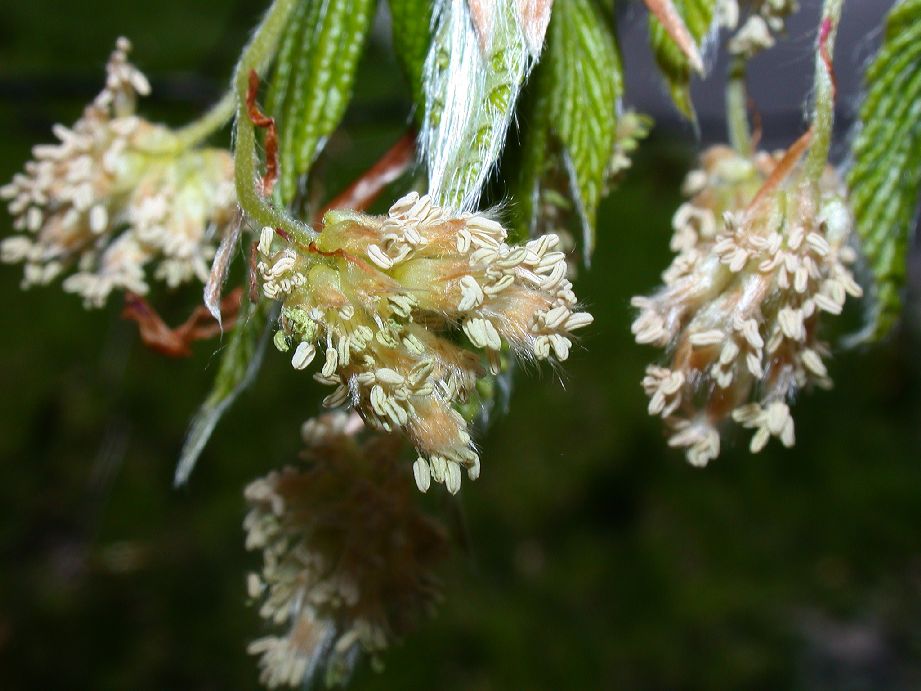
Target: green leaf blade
<point>240,362</point>
<point>885,176</point>
<point>412,35</point>
<point>313,80</point>
<point>574,124</point>
<point>698,16</point>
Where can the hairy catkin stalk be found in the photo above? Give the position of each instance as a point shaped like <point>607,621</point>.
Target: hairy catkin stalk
<point>823,116</point>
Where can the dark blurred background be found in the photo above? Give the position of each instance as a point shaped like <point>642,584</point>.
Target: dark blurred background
<point>595,556</point>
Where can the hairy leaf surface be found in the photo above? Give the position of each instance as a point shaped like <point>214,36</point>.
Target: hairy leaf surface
<point>885,175</point>
<point>473,74</point>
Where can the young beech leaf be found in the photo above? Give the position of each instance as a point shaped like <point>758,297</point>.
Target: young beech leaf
<point>885,174</point>
<point>312,82</point>
<point>473,74</point>
<point>239,364</point>
<point>412,34</point>
<point>572,131</point>
<point>698,17</point>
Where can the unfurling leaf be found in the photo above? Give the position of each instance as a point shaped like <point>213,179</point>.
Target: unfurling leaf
<point>885,176</point>
<point>673,23</point>
<point>412,34</point>
<point>313,78</point>
<point>698,18</point>
<point>240,361</point>
<point>476,65</point>
<point>573,130</point>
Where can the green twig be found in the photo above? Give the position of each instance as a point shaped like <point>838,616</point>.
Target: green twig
<point>823,117</point>
<point>217,116</point>
<point>740,135</point>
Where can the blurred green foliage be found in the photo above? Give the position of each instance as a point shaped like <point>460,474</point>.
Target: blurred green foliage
<point>593,556</point>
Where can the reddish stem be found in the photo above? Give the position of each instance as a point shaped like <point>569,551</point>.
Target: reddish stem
<point>824,32</point>
<point>365,189</point>
<point>200,325</point>
<point>260,119</point>
<point>783,168</point>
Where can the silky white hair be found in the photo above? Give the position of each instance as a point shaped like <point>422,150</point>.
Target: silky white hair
<point>479,47</point>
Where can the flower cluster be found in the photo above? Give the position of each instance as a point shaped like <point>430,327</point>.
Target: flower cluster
<point>763,20</point>
<point>115,194</point>
<point>632,128</point>
<point>757,263</point>
<point>410,309</point>
<point>347,558</point>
